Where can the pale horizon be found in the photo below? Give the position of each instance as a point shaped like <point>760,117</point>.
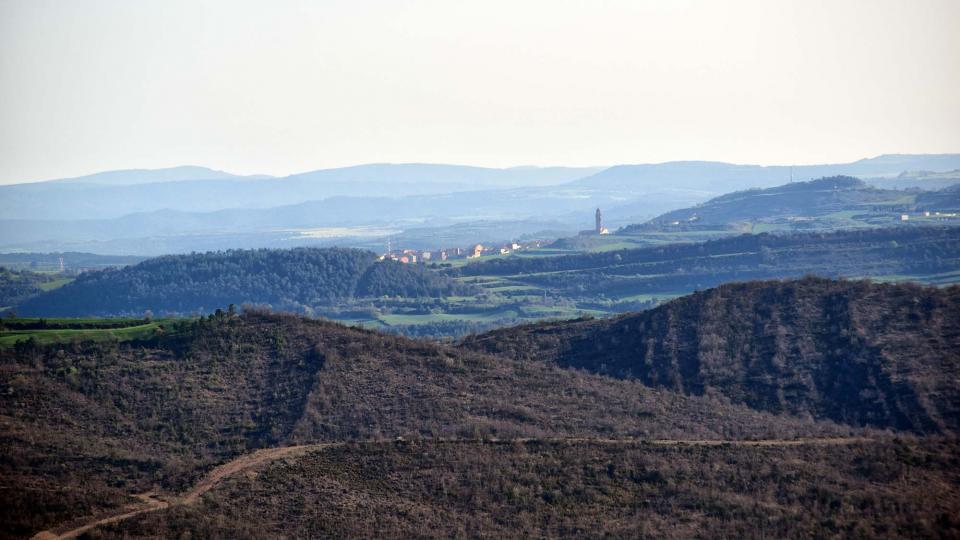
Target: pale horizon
<point>300,86</point>
<point>521,166</point>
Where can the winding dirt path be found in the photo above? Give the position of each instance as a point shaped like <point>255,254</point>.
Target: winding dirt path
<point>152,504</point>
<point>245,462</point>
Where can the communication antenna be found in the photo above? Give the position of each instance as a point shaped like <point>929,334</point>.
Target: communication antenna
<point>61,264</point>
<point>791,174</point>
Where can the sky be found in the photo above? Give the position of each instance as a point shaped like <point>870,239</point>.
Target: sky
<point>289,86</point>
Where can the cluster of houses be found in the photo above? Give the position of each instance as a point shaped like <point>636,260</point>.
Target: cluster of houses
<point>935,215</point>
<point>692,219</point>
<point>410,256</point>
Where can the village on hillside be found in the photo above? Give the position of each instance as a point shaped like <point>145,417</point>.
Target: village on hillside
<point>410,256</point>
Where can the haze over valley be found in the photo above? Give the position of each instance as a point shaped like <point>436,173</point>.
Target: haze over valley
<point>186,209</point>
<point>540,269</point>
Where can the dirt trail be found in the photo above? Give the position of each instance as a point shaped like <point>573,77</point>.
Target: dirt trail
<point>242,463</point>
<point>151,503</point>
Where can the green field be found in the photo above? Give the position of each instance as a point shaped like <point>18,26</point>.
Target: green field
<point>486,316</point>
<point>74,330</point>
<point>55,284</point>
<point>655,297</point>
<point>370,324</point>
<point>73,321</point>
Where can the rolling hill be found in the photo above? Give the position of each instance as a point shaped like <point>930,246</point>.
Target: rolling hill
<point>114,194</point>
<point>929,254</point>
<point>268,424</point>
<point>16,286</point>
<point>833,202</point>
<point>499,214</point>
<point>854,352</point>
<point>198,189</point>
<point>132,177</point>
<point>84,425</point>
<point>452,300</point>
<point>713,176</point>
<point>290,280</point>
<point>946,199</point>
<point>127,213</point>
<point>926,180</point>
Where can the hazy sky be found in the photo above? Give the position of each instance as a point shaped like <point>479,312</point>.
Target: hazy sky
<point>288,86</point>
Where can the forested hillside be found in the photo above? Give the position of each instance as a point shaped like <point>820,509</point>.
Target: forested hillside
<point>945,200</point>
<point>440,300</point>
<point>86,424</point>
<point>855,352</point>
<point>289,280</point>
<point>18,286</point>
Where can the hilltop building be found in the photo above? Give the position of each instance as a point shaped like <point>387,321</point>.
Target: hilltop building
<point>599,228</point>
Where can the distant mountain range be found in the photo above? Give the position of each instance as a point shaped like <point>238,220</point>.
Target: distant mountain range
<point>721,177</point>
<point>197,189</point>
<point>132,177</point>
<point>187,209</point>
<point>349,218</point>
<point>919,179</point>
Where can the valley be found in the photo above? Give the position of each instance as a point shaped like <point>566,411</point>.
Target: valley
<point>458,297</point>
<point>192,209</point>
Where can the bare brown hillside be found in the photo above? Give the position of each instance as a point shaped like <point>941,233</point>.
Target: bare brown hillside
<point>85,425</point>
<point>855,352</point>
<point>555,489</point>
